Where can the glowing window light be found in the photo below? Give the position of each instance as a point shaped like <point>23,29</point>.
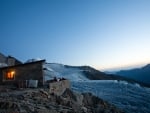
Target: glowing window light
<point>10,75</point>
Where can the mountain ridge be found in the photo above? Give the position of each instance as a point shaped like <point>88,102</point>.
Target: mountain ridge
<point>82,73</point>
<point>139,74</point>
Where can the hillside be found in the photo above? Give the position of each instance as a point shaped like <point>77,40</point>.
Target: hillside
<point>79,73</point>
<point>139,74</point>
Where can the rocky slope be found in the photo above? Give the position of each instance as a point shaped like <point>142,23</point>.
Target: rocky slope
<point>41,101</point>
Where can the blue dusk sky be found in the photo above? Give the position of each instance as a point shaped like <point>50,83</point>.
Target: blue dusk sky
<point>105,34</point>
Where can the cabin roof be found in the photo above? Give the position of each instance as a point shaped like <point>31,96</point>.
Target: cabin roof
<point>25,64</point>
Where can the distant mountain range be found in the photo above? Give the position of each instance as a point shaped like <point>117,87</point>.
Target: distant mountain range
<point>139,74</point>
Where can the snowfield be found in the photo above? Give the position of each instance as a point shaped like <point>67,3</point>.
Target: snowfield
<point>132,98</point>
<point>59,70</point>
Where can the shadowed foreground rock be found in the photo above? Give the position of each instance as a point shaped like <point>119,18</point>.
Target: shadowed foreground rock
<point>41,101</point>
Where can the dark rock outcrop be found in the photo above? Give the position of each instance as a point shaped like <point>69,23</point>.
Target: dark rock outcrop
<point>41,101</point>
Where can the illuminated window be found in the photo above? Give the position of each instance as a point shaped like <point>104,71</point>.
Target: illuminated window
<point>10,75</point>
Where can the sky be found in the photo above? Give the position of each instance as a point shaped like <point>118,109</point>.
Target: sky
<point>105,34</point>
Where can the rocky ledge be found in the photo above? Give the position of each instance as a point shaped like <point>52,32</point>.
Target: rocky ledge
<point>41,101</point>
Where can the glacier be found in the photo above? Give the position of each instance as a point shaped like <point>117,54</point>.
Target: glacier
<point>132,98</point>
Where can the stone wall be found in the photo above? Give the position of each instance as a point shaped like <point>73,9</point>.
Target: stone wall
<point>8,61</point>
<point>58,87</point>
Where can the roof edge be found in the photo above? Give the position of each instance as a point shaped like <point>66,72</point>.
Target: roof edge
<point>24,64</point>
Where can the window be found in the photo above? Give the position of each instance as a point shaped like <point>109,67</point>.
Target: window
<point>10,75</point>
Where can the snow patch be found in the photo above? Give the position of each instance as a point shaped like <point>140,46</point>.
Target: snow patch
<point>59,70</point>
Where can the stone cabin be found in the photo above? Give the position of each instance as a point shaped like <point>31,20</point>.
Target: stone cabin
<point>15,73</point>
<point>22,73</point>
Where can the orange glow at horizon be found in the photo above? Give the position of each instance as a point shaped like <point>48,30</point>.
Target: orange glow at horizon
<point>114,67</point>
